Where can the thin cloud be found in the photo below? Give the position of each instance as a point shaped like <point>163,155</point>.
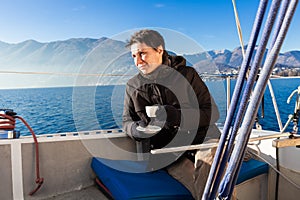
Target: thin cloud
<point>209,36</point>
<point>79,8</point>
<point>159,5</point>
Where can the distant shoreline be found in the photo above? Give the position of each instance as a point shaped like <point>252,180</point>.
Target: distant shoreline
<point>70,86</point>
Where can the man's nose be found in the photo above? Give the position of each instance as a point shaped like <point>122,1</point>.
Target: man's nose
<point>138,60</point>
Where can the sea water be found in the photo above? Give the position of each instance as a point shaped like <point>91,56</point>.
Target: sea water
<point>72,109</point>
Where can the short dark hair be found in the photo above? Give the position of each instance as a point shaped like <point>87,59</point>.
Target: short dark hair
<point>150,37</point>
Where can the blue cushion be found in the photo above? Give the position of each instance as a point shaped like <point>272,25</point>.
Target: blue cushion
<point>250,169</point>
<point>157,185</point>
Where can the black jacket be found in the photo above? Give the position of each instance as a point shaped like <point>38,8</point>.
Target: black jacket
<point>172,83</point>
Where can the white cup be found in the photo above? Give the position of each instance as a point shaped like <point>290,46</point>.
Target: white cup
<point>151,111</point>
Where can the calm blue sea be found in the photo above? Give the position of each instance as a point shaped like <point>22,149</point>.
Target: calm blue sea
<point>68,109</point>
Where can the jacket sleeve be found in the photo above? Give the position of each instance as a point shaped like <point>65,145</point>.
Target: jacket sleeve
<point>129,115</point>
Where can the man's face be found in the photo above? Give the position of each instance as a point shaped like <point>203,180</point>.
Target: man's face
<point>146,58</point>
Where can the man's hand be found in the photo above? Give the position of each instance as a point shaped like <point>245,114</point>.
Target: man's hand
<point>145,120</point>
<point>136,134</point>
<point>170,115</point>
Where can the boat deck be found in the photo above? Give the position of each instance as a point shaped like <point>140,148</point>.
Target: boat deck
<point>65,164</point>
<point>90,193</point>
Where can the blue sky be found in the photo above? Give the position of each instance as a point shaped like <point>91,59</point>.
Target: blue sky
<point>209,22</point>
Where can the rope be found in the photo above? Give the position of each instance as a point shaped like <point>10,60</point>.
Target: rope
<point>282,12</point>
<point>38,179</point>
<point>218,167</point>
<point>253,75</point>
<point>238,152</point>
<point>8,123</point>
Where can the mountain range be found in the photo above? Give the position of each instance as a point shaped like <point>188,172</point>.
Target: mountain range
<point>87,56</point>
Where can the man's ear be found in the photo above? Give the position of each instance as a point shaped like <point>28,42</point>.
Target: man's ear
<point>160,49</point>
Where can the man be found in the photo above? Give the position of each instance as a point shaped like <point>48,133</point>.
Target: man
<point>185,108</point>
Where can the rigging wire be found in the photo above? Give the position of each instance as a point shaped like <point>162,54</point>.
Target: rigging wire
<point>239,28</point>
<point>60,73</point>
<point>275,168</point>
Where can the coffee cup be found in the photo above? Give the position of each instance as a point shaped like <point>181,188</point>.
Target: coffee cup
<point>151,110</point>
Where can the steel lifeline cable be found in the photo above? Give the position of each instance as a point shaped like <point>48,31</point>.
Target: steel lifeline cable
<point>7,123</point>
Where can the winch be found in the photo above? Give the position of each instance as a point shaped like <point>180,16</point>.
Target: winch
<point>7,124</point>
<point>7,131</point>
